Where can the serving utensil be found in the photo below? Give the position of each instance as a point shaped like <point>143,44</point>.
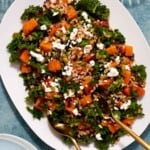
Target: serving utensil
<point>64,130</point>
<point>103,104</point>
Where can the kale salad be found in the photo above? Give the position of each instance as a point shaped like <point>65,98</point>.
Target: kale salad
<point>70,58</point>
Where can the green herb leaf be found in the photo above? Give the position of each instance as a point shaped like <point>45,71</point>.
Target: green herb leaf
<point>139,72</point>
<point>102,55</point>
<point>36,113</point>
<point>115,86</point>
<point>31,11</point>
<point>94,8</point>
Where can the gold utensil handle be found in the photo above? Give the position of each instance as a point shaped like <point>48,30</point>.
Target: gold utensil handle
<point>75,143</point>
<point>133,134</point>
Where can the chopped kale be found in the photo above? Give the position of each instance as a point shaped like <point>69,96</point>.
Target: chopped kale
<point>85,139</point>
<point>139,72</point>
<point>88,5</point>
<point>92,111</point>
<point>97,70</point>
<point>14,46</point>
<point>115,86</point>
<point>36,113</point>
<point>134,93</point>
<point>102,55</point>
<point>94,8</point>
<point>108,36</point>
<point>84,42</point>
<point>47,18</point>
<point>117,114</point>
<point>33,94</point>
<point>118,37</point>
<point>18,43</point>
<point>74,85</point>
<point>135,109</point>
<point>102,12</point>
<point>44,20</point>
<point>37,35</point>
<point>104,144</point>
<point>31,11</point>
<point>64,86</point>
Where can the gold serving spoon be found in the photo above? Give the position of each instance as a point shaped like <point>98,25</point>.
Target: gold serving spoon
<point>103,104</point>
<point>64,129</point>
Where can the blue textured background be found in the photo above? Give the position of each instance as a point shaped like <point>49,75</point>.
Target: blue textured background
<point>10,120</point>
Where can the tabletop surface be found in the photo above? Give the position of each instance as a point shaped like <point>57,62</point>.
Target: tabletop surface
<point>10,120</point>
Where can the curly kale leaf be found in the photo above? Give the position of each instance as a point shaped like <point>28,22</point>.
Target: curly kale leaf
<point>94,7</point>
<point>102,12</point>
<point>115,86</point>
<point>140,73</point>
<point>109,36</point>
<point>14,46</point>
<point>31,11</point>
<point>89,5</point>
<point>47,18</point>
<point>36,113</point>
<point>17,43</point>
<point>118,37</point>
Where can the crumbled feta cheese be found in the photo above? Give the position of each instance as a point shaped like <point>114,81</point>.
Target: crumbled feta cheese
<point>37,56</point>
<point>115,108</point>
<point>37,50</point>
<point>88,20</point>
<point>73,34</point>
<point>100,45</point>
<point>50,112</point>
<point>43,27</point>
<point>98,136</point>
<point>127,67</point>
<point>113,72</point>
<point>86,26</point>
<point>56,79</point>
<point>63,29</point>
<point>117,59</point>
<point>89,25</point>
<point>67,70</point>
<point>100,126</point>
<point>55,13</point>
<point>81,87</point>
<point>73,42</point>
<point>79,40</point>
<point>46,89</point>
<point>92,62</point>
<point>43,71</point>
<point>96,99</point>
<point>75,112</point>
<point>87,49</point>
<point>88,33</point>
<point>70,93</point>
<point>85,16</point>
<point>58,45</point>
<point>107,65</point>
<point>52,86</point>
<point>125,105</point>
<point>107,117</point>
<point>55,86</point>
